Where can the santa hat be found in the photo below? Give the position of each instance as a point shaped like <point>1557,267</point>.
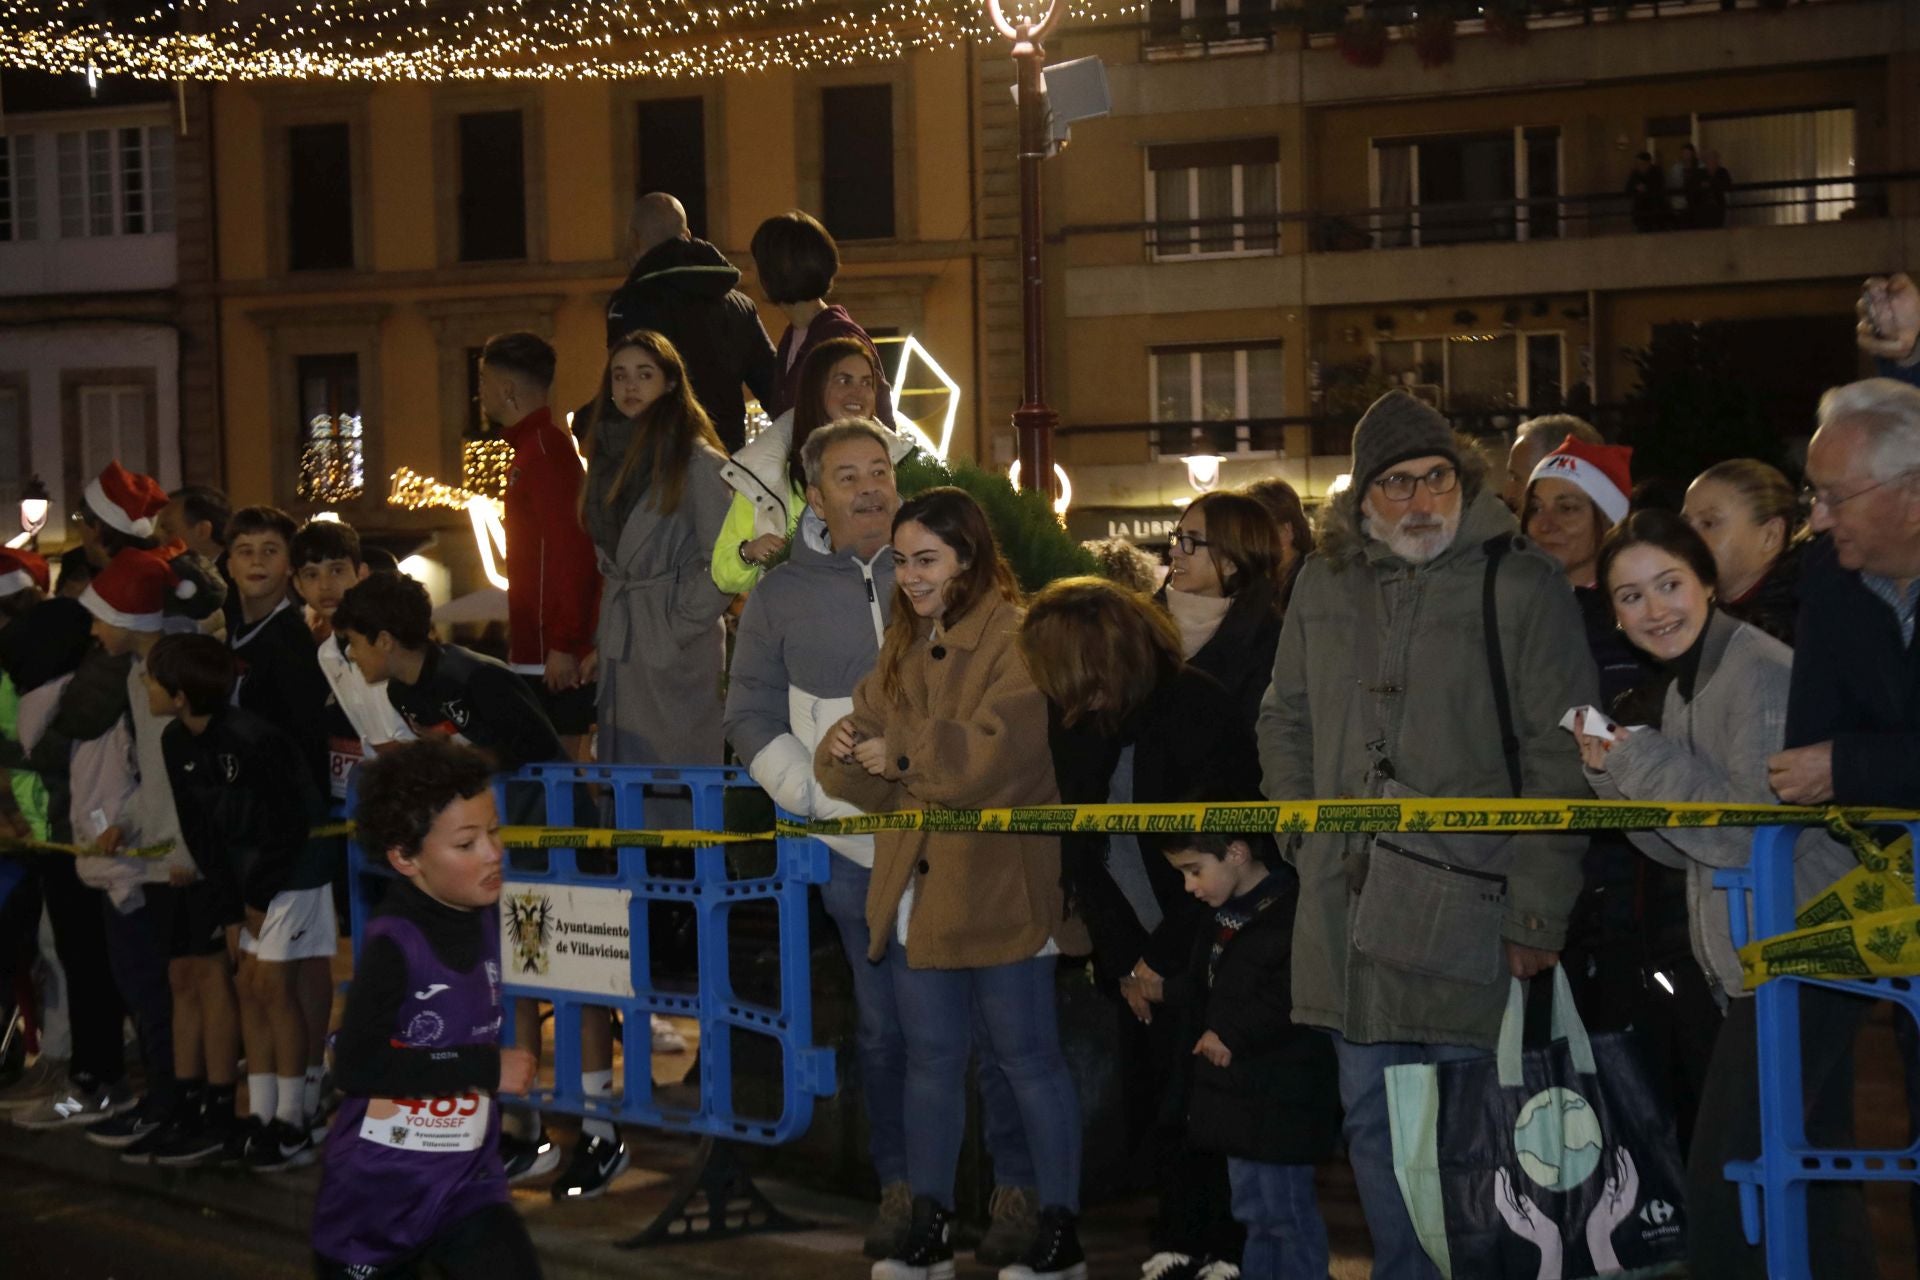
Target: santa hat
<point>1598,470</point>
<point>126,500</point>
<point>21,569</point>
<point>132,592</point>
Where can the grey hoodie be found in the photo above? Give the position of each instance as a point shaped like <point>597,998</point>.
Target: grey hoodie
<point>810,632</point>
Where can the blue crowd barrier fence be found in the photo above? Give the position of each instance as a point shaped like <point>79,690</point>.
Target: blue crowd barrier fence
<point>588,930</point>
<point>1773,1187</point>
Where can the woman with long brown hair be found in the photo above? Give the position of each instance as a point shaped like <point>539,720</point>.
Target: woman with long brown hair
<point>949,718</point>
<point>1227,571</point>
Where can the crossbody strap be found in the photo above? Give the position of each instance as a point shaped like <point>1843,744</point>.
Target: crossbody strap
<point>1496,549</point>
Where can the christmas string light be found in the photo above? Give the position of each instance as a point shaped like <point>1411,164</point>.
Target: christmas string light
<point>429,40</point>
<point>485,466</point>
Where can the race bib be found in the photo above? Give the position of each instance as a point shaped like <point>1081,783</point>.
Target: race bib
<point>342,755</point>
<point>434,1125</point>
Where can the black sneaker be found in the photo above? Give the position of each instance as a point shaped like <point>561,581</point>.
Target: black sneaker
<point>526,1159</point>
<point>130,1126</point>
<point>279,1146</point>
<point>928,1252</point>
<point>241,1134</point>
<point>1056,1253</point>
<point>183,1142</point>
<point>595,1163</point>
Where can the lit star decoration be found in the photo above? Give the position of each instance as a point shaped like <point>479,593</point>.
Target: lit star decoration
<point>429,40</point>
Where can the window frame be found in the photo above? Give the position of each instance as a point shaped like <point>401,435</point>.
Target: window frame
<point>105,194</point>
<point>1239,212</point>
<point>1243,435</point>
<point>74,381</point>
<point>809,144</point>
<point>304,105</point>
<point>1524,203</point>
<point>292,332</point>
<point>449,104</point>
<point>1522,378</point>
<point>15,384</point>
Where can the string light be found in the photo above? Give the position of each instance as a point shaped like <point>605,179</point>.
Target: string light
<point>332,462</point>
<point>485,466</point>
<point>411,491</point>
<point>380,40</point>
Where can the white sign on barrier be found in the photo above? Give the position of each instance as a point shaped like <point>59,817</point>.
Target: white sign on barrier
<point>567,936</point>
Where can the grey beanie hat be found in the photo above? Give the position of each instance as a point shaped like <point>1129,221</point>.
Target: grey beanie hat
<point>1394,428</point>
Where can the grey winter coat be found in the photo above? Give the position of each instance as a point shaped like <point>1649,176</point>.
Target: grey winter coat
<point>661,643</point>
<point>1715,748</point>
<point>1380,659</point>
<point>809,634</point>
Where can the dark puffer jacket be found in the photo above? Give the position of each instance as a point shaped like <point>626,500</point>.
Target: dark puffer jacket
<point>1773,603</point>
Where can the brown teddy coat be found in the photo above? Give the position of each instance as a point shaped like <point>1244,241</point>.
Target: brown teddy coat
<point>967,730</point>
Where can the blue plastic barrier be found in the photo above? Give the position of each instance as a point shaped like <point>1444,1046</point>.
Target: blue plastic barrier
<point>1773,1188</point>
<point>659,797</point>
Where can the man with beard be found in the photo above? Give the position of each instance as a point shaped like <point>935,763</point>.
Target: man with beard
<point>1389,683</point>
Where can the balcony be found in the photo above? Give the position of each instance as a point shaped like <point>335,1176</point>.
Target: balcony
<point>1802,229</point>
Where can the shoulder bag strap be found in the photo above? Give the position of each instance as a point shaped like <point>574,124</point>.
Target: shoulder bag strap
<point>1496,549</point>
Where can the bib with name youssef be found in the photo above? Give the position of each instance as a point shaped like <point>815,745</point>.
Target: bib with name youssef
<point>431,1125</point>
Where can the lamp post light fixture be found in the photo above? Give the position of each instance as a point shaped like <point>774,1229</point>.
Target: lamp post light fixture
<point>1033,421</point>
<point>1203,471</point>
<point>34,504</point>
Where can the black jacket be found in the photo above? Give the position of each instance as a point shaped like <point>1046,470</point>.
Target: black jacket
<point>1186,740</point>
<point>1773,605</point>
<point>281,681</point>
<point>464,695</point>
<point>246,805</point>
<point>48,641</point>
<point>1278,1100</point>
<point>1622,667</point>
<point>1240,655</point>
<point>685,290</point>
<point>1856,684</point>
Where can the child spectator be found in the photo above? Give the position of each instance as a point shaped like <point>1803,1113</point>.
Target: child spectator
<point>280,678</point>
<point>1264,1091</point>
<point>553,583</point>
<point>421,1039</point>
<point>327,563</point>
<point>121,799</point>
<point>441,689</point>
<point>245,804</point>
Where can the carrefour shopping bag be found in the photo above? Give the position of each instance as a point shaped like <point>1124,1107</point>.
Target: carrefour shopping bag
<point>1548,1164</point>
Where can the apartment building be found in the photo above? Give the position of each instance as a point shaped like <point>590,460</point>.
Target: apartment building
<point>1269,230</point>
<point>106,344</point>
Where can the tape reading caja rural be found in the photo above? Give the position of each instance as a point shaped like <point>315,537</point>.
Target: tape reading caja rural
<point>1864,925</point>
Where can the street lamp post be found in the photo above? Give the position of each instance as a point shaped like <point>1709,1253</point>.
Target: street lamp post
<point>1033,421</point>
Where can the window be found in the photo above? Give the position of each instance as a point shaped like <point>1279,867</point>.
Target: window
<point>493,187</point>
<point>671,143</point>
<point>1787,146</point>
<point>1220,399</point>
<point>1479,371</point>
<point>113,425</point>
<point>331,436</point>
<point>319,197</point>
<point>1209,21</point>
<point>856,161</point>
<point>13,428</point>
<point>1462,188</point>
<point>115,181</point>
<point>1214,198</point>
<point>19,189</point>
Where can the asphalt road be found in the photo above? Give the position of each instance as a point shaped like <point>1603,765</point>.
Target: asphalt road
<point>57,1228</point>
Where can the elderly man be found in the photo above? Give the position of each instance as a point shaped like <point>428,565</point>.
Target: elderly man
<point>1536,438</point>
<point>1385,685</point>
<point>685,289</point>
<point>811,630</point>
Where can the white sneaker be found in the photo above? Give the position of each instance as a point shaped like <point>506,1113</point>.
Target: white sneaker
<point>666,1039</point>
<point>79,1104</point>
<point>1217,1269</point>
<point>1165,1265</point>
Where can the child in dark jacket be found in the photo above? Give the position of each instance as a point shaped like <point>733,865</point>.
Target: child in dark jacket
<point>1264,1090</point>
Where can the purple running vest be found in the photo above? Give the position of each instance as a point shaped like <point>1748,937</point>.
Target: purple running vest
<point>400,1171</point>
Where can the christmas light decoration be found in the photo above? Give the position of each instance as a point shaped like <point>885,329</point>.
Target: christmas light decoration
<point>463,40</point>
<point>485,466</point>
<point>333,460</point>
<point>415,492</point>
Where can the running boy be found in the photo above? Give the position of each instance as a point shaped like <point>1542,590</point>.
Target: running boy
<point>245,804</point>
<point>413,1169</point>
<point>1264,1090</point>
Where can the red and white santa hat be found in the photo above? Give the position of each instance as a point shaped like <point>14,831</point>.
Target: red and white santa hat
<point>1598,470</point>
<point>126,500</point>
<point>21,569</point>
<point>132,591</point>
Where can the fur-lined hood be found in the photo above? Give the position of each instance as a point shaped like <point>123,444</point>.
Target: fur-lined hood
<point>1340,541</point>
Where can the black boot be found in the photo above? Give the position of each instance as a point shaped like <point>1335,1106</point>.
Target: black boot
<point>1056,1253</point>
<point>928,1252</point>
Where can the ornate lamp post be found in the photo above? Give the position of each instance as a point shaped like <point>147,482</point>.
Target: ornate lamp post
<point>1033,421</point>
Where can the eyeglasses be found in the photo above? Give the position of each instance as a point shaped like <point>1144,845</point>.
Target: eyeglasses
<point>1814,497</point>
<point>1187,542</point>
<point>1398,485</point>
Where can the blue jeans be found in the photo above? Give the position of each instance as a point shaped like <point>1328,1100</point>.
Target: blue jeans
<point>1286,1239</point>
<point>139,967</point>
<point>1397,1254</point>
<point>1013,1005</point>
<point>882,1048</point>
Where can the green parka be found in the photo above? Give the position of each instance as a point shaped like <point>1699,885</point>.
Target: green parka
<point>1382,660</point>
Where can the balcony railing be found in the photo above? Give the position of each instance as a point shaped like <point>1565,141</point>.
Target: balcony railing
<point>1797,201</point>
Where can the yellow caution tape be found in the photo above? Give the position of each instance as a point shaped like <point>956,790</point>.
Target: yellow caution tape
<point>1863,925</point>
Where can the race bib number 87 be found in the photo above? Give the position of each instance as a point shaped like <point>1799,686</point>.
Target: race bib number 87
<point>433,1125</point>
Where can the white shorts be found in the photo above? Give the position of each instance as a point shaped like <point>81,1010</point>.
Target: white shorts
<point>300,925</point>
